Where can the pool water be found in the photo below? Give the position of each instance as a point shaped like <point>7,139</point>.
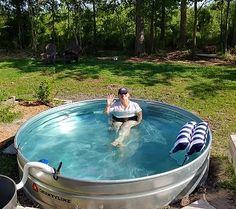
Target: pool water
<point>80,137</point>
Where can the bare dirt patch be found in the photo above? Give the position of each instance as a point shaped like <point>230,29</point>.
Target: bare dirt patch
<point>183,57</point>
<point>7,131</point>
<point>221,199</point>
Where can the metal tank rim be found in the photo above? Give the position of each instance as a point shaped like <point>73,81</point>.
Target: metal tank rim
<point>120,181</point>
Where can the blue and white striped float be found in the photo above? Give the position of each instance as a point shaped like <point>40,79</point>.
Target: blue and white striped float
<point>184,137</point>
<point>199,137</point>
<point>192,138</point>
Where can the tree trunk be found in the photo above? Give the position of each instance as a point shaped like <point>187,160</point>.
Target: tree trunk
<point>194,29</point>
<point>94,27</point>
<point>19,24</point>
<point>53,10</point>
<point>226,27</point>
<point>68,19</point>
<point>139,42</point>
<point>76,23</point>
<point>234,21</point>
<point>74,30</point>
<point>152,26</point>
<point>183,21</point>
<point>33,42</point>
<point>221,26</point>
<point>122,32</point>
<point>163,24</point>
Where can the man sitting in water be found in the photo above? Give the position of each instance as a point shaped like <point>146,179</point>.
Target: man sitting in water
<point>125,114</point>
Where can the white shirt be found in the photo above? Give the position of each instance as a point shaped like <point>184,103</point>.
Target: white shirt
<point>119,111</point>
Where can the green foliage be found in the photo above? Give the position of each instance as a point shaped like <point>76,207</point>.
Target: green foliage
<point>204,19</point>
<point>7,115</point>
<point>28,24</point>
<point>114,28</point>
<point>208,27</point>
<point>42,92</point>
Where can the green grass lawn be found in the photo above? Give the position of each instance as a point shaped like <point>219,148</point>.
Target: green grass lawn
<point>209,92</point>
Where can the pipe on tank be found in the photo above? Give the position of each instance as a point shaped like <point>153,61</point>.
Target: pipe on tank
<point>39,165</point>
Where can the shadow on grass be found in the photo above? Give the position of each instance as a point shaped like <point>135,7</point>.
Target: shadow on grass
<point>92,68</point>
<point>221,174</point>
<point>204,90</point>
<point>136,73</point>
<point>147,74</point>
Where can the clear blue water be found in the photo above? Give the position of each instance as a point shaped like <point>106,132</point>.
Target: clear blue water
<point>79,136</point>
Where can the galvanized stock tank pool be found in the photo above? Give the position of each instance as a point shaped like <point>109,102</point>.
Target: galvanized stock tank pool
<point>94,174</point>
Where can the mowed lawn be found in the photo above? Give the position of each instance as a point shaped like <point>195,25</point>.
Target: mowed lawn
<point>209,92</point>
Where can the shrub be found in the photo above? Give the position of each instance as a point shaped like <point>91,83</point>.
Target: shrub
<point>42,93</point>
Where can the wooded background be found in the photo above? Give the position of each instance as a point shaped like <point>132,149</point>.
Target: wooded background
<point>130,26</point>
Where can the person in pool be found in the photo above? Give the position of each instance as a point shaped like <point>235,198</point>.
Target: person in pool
<point>125,114</point>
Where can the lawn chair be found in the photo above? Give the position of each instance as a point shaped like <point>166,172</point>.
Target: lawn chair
<point>50,54</point>
<point>72,54</point>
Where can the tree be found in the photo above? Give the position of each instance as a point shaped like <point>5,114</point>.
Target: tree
<point>226,27</point>
<point>163,23</point>
<point>194,29</point>
<point>234,24</point>
<point>53,7</point>
<point>166,12</point>
<point>220,4</point>
<point>117,24</point>
<point>183,22</point>
<point>33,10</point>
<point>139,34</point>
<point>94,26</point>
<point>74,15</point>
<point>195,22</point>
<point>16,9</point>
<point>152,20</point>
